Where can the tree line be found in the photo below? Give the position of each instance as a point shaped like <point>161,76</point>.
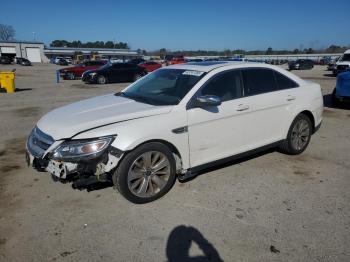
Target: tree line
<point>269,51</point>
<point>96,44</point>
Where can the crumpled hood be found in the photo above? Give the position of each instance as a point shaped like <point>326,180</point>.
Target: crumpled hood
<point>67,121</point>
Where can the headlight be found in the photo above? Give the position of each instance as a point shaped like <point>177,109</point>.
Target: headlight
<point>76,149</point>
<point>93,74</point>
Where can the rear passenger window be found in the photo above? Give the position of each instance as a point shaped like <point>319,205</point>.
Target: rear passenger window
<point>227,86</point>
<point>258,81</point>
<point>284,82</point>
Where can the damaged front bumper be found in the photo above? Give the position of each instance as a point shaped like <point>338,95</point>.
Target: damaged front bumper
<point>40,148</point>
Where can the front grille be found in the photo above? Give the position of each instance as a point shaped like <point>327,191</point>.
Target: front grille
<point>38,142</point>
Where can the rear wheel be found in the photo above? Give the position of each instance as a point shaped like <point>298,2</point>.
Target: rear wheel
<point>101,80</point>
<point>298,137</point>
<point>146,173</point>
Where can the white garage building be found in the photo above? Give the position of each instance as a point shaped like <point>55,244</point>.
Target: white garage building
<point>33,51</point>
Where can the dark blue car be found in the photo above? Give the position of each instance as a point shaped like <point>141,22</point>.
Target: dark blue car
<point>341,92</point>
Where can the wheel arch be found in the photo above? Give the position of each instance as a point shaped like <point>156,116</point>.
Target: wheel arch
<point>172,148</point>
<point>310,115</point>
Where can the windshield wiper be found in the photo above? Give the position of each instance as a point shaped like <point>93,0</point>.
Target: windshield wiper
<point>138,98</point>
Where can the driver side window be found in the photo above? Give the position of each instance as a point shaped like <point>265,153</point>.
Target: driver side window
<point>227,86</point>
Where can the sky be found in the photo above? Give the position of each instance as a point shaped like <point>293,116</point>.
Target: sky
<point>184,24</point>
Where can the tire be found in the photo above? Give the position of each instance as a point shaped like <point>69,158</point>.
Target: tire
<point>71,76</point>
<point>101,80</point>
<point>136,181</point>
<point>335,100</point>
<point>298,137</point>
<point>136,77</point>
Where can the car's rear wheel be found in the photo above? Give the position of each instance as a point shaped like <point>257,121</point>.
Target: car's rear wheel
<point>101,80</point>
<point>298,137</point>
<point>146,173</point>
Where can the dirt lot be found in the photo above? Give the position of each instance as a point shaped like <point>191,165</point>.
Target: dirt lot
<point>271,207</point>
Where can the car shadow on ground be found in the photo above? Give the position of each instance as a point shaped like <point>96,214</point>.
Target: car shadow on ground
<point>329,75</point>
<point>179,243</point>
<point>327,102</point>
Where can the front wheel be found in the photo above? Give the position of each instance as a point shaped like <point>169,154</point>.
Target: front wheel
<point>71,76</point>
<point>101,80</point>
<point>298,137</point>
<point>146,173</point>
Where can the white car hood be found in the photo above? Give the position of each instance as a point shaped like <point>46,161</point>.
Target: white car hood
<point>69,120</point>
<point>343,63</point>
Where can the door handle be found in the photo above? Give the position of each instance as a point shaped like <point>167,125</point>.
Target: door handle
<point>291,98</point>
<point>242,107</point>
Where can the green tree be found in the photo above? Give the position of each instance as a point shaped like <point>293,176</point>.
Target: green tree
<point>269,51</point>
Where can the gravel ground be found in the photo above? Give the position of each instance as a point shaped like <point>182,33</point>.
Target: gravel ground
<point>270,207</point>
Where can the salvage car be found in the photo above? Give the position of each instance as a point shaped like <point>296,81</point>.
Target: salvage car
<point>113,73</point>
<point>75,72</point>
<point>341,92</point>
<point>301,64</point>
<point>5,60</point>
<point>174,122</point>
<point>23,61</point>
<point>343,64</point>
<point>150,66</point>
<point>176,60</point>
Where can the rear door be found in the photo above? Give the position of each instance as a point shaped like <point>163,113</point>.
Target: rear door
<point>269,106</point>
<point>116,73</point>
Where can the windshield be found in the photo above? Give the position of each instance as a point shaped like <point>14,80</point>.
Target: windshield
<point>163,87</point>
<point>346,57</point>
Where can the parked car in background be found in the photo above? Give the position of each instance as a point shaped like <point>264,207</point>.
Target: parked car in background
<point>332,65</point>
<point>191,60</point>
<point>62,62</point>
<point>343,64</point>
<point>76,71</point>
<point>57,59</point>
<point>341,92</point>
<point>112,73</point>
<point>175,122</point>
<point>116,60</point>
<point>5,60</point>
<point>176,60</point>
<point>136,61</point>
<point>150,66</point>
<point>301,64</point>
<point>23,61</point>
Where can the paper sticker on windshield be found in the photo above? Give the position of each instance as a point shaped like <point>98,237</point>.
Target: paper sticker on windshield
<point>192,73</point>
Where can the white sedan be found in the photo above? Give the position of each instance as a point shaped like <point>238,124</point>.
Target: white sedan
<point>174,122</point>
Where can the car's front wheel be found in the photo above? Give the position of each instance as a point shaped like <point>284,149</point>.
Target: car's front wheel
<point>146,173</point>
<point>298,137</point>
<point>71,76</point>
<point>101,80</point>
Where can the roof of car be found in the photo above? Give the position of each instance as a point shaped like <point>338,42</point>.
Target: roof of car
<point>209,65</point>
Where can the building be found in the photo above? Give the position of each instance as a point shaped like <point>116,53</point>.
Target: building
<point>39,53</point>
<point>33,51</point>
<point>105,53</point>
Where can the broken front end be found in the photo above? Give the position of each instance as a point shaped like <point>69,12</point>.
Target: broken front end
<point>85,162</point>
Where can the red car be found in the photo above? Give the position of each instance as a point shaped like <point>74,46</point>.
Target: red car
<point>150,65</point>
<point>176,60</point>
<point>74,72</point>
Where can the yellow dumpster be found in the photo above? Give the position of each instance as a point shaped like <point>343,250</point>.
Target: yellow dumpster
<point>7,81</point>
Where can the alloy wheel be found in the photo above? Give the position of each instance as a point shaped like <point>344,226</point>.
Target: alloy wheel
<point>149,174</point>
<point>300,134</point>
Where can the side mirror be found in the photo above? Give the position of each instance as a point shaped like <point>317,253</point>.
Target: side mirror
<point>208,100</point>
